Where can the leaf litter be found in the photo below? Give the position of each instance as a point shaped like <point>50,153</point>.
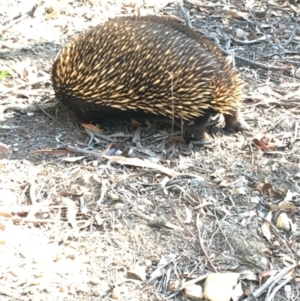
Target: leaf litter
<point>129,211</point>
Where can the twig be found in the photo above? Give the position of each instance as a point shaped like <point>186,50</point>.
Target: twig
<point>193,281</point>
<point>84,151</point>
<point>156,222</point>
<point>202,246</point>
<point>278,287</point>
<point>258,24</point>
<point>251,151</point>
<point>104,188</point>
<point>4,290</point>
<point>274,7</point>
<point>255,64</point>
<point>29,108</point>
<point>296,133</point>
<point>273,278</point>
<point>191,4</point>
<point>275,230</point>
<point>249,42</point>
<point>185,15</point>
<point>250,62</point>
<point>203,205</point>
<point>26,220</point>
<point>19,18</point>
<point>41,108</point>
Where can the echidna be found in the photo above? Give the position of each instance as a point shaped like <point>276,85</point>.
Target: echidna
<point>148,66</point>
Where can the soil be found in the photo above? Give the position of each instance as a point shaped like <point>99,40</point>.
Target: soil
<point>132,212</point>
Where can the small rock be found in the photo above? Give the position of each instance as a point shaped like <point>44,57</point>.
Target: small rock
<point>138,272</point>
<point>241,34</point>
<point>174,285</point>
<point>194,292</point>
<point>7,197</point>
<point>148,263</point>
<point>119,206</point>
<point>114,196</point>
<point>116,293</point>
<point>95,163</point>
<point>69,252</point>
<point>104,286</point>
<point>93,281</point>
<point>96,293</point>
<point>285,223</point>
<point>82,289</point>
<point>4,151</point>
<point>219,286</point>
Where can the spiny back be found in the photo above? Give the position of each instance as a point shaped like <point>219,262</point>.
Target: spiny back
<point>148,64</point>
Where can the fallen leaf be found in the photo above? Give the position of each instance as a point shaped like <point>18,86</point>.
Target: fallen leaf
<point>267,189</point>
<point>73,159</point>
<point>135,122</point>
<point>266,227</point>
<point>71,212</point>
<point>141,163</point>
<point>188,216</point>
<point>239,191</point>
<point>56,152</point>
<point>95,129</point>
<point>138,272</point>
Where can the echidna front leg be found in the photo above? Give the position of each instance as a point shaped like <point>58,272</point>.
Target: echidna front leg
<point>235,122</point>
<point>195,129</point>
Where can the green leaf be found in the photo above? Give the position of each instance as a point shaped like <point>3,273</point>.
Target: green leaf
<point>4,74</point>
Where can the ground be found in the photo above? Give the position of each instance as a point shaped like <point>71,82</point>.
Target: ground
<point>91,213</point>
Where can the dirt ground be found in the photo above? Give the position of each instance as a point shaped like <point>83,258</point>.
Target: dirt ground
<point>89,213</point>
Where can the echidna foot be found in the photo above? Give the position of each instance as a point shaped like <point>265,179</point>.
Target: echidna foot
<point>195,130</point>
<point>235,122</point>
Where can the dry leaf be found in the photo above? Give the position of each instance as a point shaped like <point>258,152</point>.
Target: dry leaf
<point>288,197</point>
<point>137,137</point>
<point>188,216</point>
<point>249,275</point>
<point>138,272</point>
<point>225,184</point>
<point>265,274</point>
<point>239,191</point>
<point>135,122</point>
<point>141,163</point>
<point>71,213</point>
<point>267,189</point>
<point>266,227</point>
<point>283,207</point>
<point>218,173</point>
<point>266,142</point>
<point>236,15</point>
<point>93,128</point>
<point>73,159</point>
<point>237,292</point>
<point>7,198</point>
<point>56,152</point>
